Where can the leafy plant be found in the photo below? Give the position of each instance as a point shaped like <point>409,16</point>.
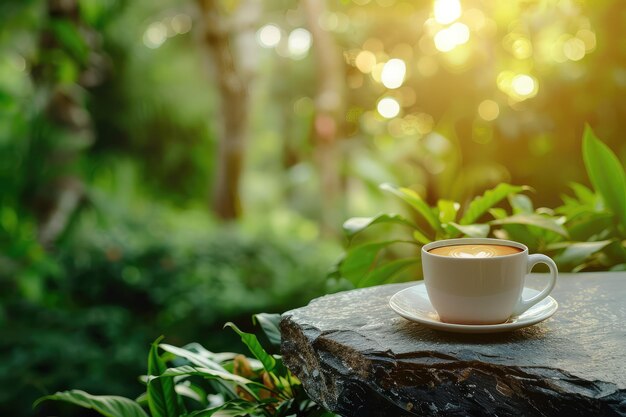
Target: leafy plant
<point>586,232</point>
<point>362,265</point>
<point>128,273</point>
<point>596,219</point>
<point>200,383</point>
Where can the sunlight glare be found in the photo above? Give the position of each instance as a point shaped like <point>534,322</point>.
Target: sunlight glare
<point>523,85</point>
<point>393,73</point>
<point>447,11</point>
<point>444,41</point>
<point>388,107</point>
<point>449,38</point>
<point>269,36</point>
<point>460,32</point>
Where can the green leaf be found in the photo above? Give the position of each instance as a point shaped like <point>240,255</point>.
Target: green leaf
<point>210,374</point>
<point>490,198</point>
<point>606,174</point>
<point>192,357</point>
<point>421,237</point>
<point>498,213</point>
<point>577,253</point>
<point>162,397</point>
<point>251,341</point>
<point>382,273</point>
<point>357,224</point>
<point>361,259</point>
<point>586,227</point>
<point>188,370</point>
<point>70,38</point>
<point>584,194</point>
<point>536,220</point>
<point>447,210</point>
<point>269,324</point>
<point>620,267</point>
<point>414,200</point>
<point>230,409</point>
<point>107,405</point>
<point>521,204</point>
<point>472,230</point>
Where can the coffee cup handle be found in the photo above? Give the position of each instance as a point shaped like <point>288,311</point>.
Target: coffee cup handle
<point>523,305</point>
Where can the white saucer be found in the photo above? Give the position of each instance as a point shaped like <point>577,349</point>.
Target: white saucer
<point>413,304</point>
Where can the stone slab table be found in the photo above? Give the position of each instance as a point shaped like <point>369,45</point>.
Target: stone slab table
<point>356,357</point>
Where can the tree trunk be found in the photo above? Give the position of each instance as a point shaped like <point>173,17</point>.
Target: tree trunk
<point>222,36</point>
<point>55,201</point>
<point>329,115</point>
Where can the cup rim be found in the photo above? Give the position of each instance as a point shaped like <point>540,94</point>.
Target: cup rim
<point>474,241</point>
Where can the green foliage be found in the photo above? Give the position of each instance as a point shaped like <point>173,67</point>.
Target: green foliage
<point>582,234</point>
<point>596,220</point>
<point>107,405</point>
<point>131,271</point>
<point>364,264</point>
<point>162,398</point>
<point>210,384</point>
<point>251,341</point>
<point>480,205</point>
<point>606,175</point>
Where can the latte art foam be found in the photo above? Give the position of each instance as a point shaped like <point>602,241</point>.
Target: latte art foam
<point>475,251</point>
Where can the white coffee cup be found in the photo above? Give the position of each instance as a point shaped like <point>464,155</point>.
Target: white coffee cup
<point>481,290</point>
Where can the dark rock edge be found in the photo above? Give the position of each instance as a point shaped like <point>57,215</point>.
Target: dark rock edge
<point>429,383</point>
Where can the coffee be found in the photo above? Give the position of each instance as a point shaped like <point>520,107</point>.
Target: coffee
<point>475,251</point>
<point>473,281</point>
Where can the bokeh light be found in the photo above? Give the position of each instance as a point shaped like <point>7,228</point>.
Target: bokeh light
<point>365,61</point>
<point>488,110</point>
<point>377,72</point>
<point>447,11</point>
<point>444,41</point>
<point>523,84</point>
<point>574,49</point>
<point>460,33</point>
<point>299,43</point>
<point>589,39</point>
<point>393,73</point>
<point>155,35</point>
<point>181,23</point>
<point>522,48</point>
<point>449,38</point>
<point>388,107</point>
<point>269,36</point>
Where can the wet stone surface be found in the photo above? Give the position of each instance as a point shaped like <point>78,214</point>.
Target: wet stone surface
<point>357,357</point>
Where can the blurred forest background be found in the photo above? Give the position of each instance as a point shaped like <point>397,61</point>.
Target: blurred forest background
<point>167,165</point>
